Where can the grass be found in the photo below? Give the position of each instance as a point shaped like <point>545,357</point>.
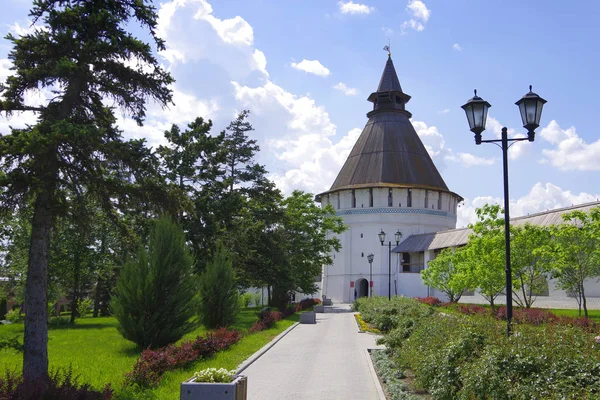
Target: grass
<point>592,314</point>
<point>100,355</point>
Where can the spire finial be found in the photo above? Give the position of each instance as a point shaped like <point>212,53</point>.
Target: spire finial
<point>388,48</point>
<point>475,91</point>
<point>530,87</point>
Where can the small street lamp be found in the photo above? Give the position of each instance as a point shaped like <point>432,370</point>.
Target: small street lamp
<point>370,258</point>
<point>397,236</point>
<point>530,106</point>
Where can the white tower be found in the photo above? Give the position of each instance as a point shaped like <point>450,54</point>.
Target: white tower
<point>389,183</point>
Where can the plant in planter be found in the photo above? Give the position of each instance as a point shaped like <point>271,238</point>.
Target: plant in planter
<point>214,384</point>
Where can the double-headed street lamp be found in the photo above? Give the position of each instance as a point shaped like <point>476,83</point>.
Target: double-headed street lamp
<point>397,236</point>
<point>531,112</point>
<point>370,258</point>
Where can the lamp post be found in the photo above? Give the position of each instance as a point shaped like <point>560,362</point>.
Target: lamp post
<point>398,236</point>
<point>370,258</point>
<point>530,106</point>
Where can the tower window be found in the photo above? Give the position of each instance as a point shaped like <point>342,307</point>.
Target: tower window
<point>439,200</point>
<point>405,262</point>
<point>390,198</point>
<point>371,197</point>
<point>409,198</point>
<point>426,198</point>
<point>338,200</point>
<point>353,199</point>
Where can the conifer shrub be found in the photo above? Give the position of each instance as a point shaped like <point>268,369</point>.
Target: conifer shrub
<point>219,296</point>
<point>154,300</point>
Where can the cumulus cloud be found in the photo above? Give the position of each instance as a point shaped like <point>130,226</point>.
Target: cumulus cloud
<point>570,151</point>
<point>541,197</point>
<point>457,47</point>
<point>419,15</point>
<point>227,42</point>
<point>518,149</point>
<point>435,145</point>
<point>350,7</point>
<point>312,67</point>
<point>348,91</point>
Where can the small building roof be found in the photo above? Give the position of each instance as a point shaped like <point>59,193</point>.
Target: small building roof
<point>460,237</point>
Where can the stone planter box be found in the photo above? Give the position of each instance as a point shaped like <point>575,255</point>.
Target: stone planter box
<point>327,302</point>
<point>236,390</point>
<point>319,309</point>
<point>308,318</point>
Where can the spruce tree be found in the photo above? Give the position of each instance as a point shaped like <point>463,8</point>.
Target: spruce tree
<point>219,296</point>
<point>154,297</point>
<point>84,56</point>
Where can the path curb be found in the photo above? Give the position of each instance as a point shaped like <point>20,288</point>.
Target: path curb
<point>374,375</point>
<point>263,349</point>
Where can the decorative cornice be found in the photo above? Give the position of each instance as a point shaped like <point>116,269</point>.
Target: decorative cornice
<point>394,210</point>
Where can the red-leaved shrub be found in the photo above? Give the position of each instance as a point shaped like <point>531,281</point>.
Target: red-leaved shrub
<point>430,300</point>
<point>62,385</point>
<point>152,364</point>
<point>267,319</point>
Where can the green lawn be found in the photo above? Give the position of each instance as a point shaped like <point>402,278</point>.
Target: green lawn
<point>592,314</point>
<point>99,354</point>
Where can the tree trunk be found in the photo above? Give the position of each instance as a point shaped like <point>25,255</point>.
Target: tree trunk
<point>35,341</point>
<point>98,296</point>
<point>75,295</point>
<point>584,301</point>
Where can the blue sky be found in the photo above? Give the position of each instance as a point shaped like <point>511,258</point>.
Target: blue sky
<point>305,68</point>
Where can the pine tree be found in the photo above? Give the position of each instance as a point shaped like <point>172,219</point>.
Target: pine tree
<point>219,296</point>
<point>154,297</point>
<point>84,56</point>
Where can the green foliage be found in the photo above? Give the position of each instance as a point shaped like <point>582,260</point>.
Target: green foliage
<point>246,299</point>
<point>530,269</point>
<point>13,315</point>
<point>391,375</point>
<point>84,306</point>
<point>257,299</point>
<point>485,253</point>
<point>398,313</point>
<point>448,273</point>
<point>154,297</point>
<point>219,296</point>
<point>448,353</point>
<point>220,375</point>
<point>574,254</point>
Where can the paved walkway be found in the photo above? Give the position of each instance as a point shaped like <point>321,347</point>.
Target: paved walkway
<point>323,361</point>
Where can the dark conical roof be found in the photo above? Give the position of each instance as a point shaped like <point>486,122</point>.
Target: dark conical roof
<point>389,79</point>
<point>389,153</point>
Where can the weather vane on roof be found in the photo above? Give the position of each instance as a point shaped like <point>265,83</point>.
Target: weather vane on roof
<point>388,48</point>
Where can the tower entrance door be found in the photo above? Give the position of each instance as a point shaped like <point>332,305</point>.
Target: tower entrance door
<point>362,286</point>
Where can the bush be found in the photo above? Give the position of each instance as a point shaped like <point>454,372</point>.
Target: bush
<point>13,315</point>
<point>154,297</point>
<point>152,364</point>
<point>266,319</point>
<point>257,299</point>
<point>218,292</point>
<point>83,307</point>
<point>59,322</point>
<point>220,375</point>
<point>448,354</point>
<point>432,301</point>
<point>63,385</point>
<point>388,314</point>
<point>246,299</point>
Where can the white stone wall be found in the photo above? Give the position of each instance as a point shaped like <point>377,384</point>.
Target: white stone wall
<point>365,222</point>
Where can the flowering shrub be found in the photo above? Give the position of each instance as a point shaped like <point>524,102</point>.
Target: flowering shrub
<point>430,300</point>
<point>62,385</point>
<point>220,375</point>
<point>152,364</point>
<point>364,326</point>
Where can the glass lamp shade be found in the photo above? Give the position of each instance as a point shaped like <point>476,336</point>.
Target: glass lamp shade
<point>531,106</point>
<point>370,257</point>
<point>398,236</point>
<point>381,236</point>
<point>476,110</point>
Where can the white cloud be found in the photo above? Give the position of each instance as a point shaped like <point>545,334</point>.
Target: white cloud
<point>457,47</point>
<point>228,43</point>
<point>571,152</point>
<point>419,16</point>
<point>387,31</point>
<point>312,67</point>
<point>518,149</point>
<point>435,145</point>
<point>355,8</point>
<point>348,91</point>
<point>541,197</point>
<point>444,111</point>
